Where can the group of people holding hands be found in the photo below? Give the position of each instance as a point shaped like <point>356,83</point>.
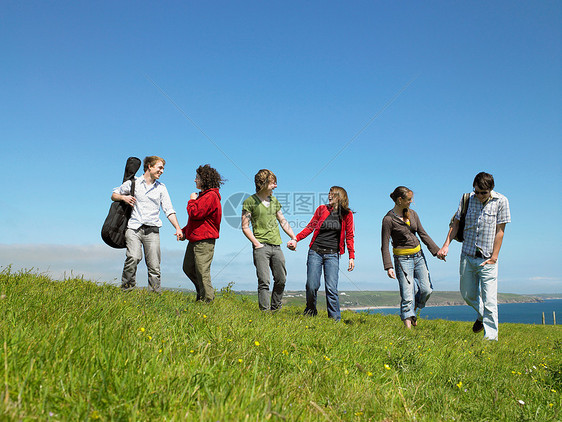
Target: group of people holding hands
<point>482,220</point>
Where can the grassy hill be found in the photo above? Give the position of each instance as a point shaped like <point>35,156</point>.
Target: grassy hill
<point>75,350</point>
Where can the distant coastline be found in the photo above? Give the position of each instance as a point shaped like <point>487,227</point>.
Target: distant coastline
<point>531,299</point>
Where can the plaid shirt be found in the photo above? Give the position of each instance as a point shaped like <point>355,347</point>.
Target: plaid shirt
<point>481,221</point>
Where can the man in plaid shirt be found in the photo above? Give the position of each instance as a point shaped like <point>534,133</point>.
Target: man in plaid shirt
<point>486,217</point>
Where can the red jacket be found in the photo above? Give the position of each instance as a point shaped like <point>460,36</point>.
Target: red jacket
<point>347,229</point>
<point>205,215</point>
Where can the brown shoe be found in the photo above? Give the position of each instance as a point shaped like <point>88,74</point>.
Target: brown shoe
<point>478,326</point>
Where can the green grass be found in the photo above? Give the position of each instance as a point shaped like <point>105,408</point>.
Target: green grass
<point>75,350</point>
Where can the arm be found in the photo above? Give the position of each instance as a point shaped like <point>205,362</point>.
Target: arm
<point>199,208</point>
<point>125,198</point>
<point>431,245</point>
<point>285,225</point>
<point>310,227</point>
<point>442,254</point>
<point>122,193</point>
<point>385,239</point>
<point>349,239</point>
<point>500,229</point>
<point>246,230</point>
<point>174,220</point>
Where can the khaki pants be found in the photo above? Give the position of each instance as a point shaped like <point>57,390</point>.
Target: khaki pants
<point>197,266</point>
<point>149,238</point>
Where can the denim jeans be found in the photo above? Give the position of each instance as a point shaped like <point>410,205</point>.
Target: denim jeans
<point>414,281</point>
<point>266,257</point>
<point>197,267</point>
<point>149,238</point>
<point>479,289</point>
<point>331,264</point>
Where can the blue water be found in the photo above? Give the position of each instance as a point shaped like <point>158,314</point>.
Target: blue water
<point>522,313</point>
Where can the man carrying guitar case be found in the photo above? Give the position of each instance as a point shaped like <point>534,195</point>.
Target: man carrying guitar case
<point>115,225</point>
<point>145,196</point>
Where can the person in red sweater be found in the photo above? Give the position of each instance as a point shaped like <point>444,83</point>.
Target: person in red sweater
<point>205,212</point>
<point>333,229</point>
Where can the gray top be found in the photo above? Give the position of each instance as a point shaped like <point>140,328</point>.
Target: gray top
<point>403,236</point>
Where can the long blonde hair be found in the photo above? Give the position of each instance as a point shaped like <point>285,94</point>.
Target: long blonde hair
<point>343,200</point>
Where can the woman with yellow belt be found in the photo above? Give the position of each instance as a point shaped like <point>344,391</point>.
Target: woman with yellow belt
<point>401,224</point>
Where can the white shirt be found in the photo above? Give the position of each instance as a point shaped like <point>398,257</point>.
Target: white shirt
<point>146,210</point>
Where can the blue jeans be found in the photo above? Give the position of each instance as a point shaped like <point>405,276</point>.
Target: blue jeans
<point>414,281</point>
<point>331,264</point>
<point>479,289</point>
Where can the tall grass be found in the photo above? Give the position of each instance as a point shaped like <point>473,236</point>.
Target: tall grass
<point>75,350</point>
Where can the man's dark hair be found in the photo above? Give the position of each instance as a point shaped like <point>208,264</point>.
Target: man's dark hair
<point>484,181</point>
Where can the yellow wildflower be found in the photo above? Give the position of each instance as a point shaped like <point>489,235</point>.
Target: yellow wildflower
<point>257,343</point>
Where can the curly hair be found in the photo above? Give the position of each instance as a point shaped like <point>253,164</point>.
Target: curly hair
<point>209,178</point>
<point>263,178</point>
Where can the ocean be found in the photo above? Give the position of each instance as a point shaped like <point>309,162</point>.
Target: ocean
<point>521,313</point>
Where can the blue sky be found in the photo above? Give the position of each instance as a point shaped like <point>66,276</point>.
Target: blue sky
<point>366,95</point>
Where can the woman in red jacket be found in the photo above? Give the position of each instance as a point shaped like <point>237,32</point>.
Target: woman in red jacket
<point>203,225</point>
<point>333,229</point>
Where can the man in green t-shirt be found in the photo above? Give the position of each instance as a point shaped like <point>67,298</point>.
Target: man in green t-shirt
<point>263,210</point>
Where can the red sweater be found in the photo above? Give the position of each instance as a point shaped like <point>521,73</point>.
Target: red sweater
<point>204,214</point>
<point>347,229</point>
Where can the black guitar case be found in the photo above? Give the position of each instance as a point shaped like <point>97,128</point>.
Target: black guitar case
<point>115,224</point>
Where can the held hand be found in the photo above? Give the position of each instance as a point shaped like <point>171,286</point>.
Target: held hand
<point>194,195</point>
<point>292,245</point>
<point>390,273</point>
<point>351,264</point>
<point>442,254</point>
<point>179,235</point>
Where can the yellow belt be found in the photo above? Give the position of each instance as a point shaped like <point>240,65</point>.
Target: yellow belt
<point>410,251</point>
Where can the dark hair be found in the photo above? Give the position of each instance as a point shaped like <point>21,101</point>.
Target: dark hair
<point>343,200</point>
<point>151,160</point>
<point>263,178</point>
<point>483,181</point>
<point>209,178</point>
<point>401,192</point>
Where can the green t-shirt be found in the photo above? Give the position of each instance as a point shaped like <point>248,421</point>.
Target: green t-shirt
<point>264,219</point>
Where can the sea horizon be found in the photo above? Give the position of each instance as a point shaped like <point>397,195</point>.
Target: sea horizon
<point>517,313</point>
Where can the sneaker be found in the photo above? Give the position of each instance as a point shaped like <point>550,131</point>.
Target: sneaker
<point>478,326</point>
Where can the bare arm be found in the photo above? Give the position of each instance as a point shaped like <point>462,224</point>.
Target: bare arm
<point>500,229</point>
<point>285,225</point>
<point>247,231</point>
<point>450,236</point>
<point>174,220</point>
<point>125,198</point>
